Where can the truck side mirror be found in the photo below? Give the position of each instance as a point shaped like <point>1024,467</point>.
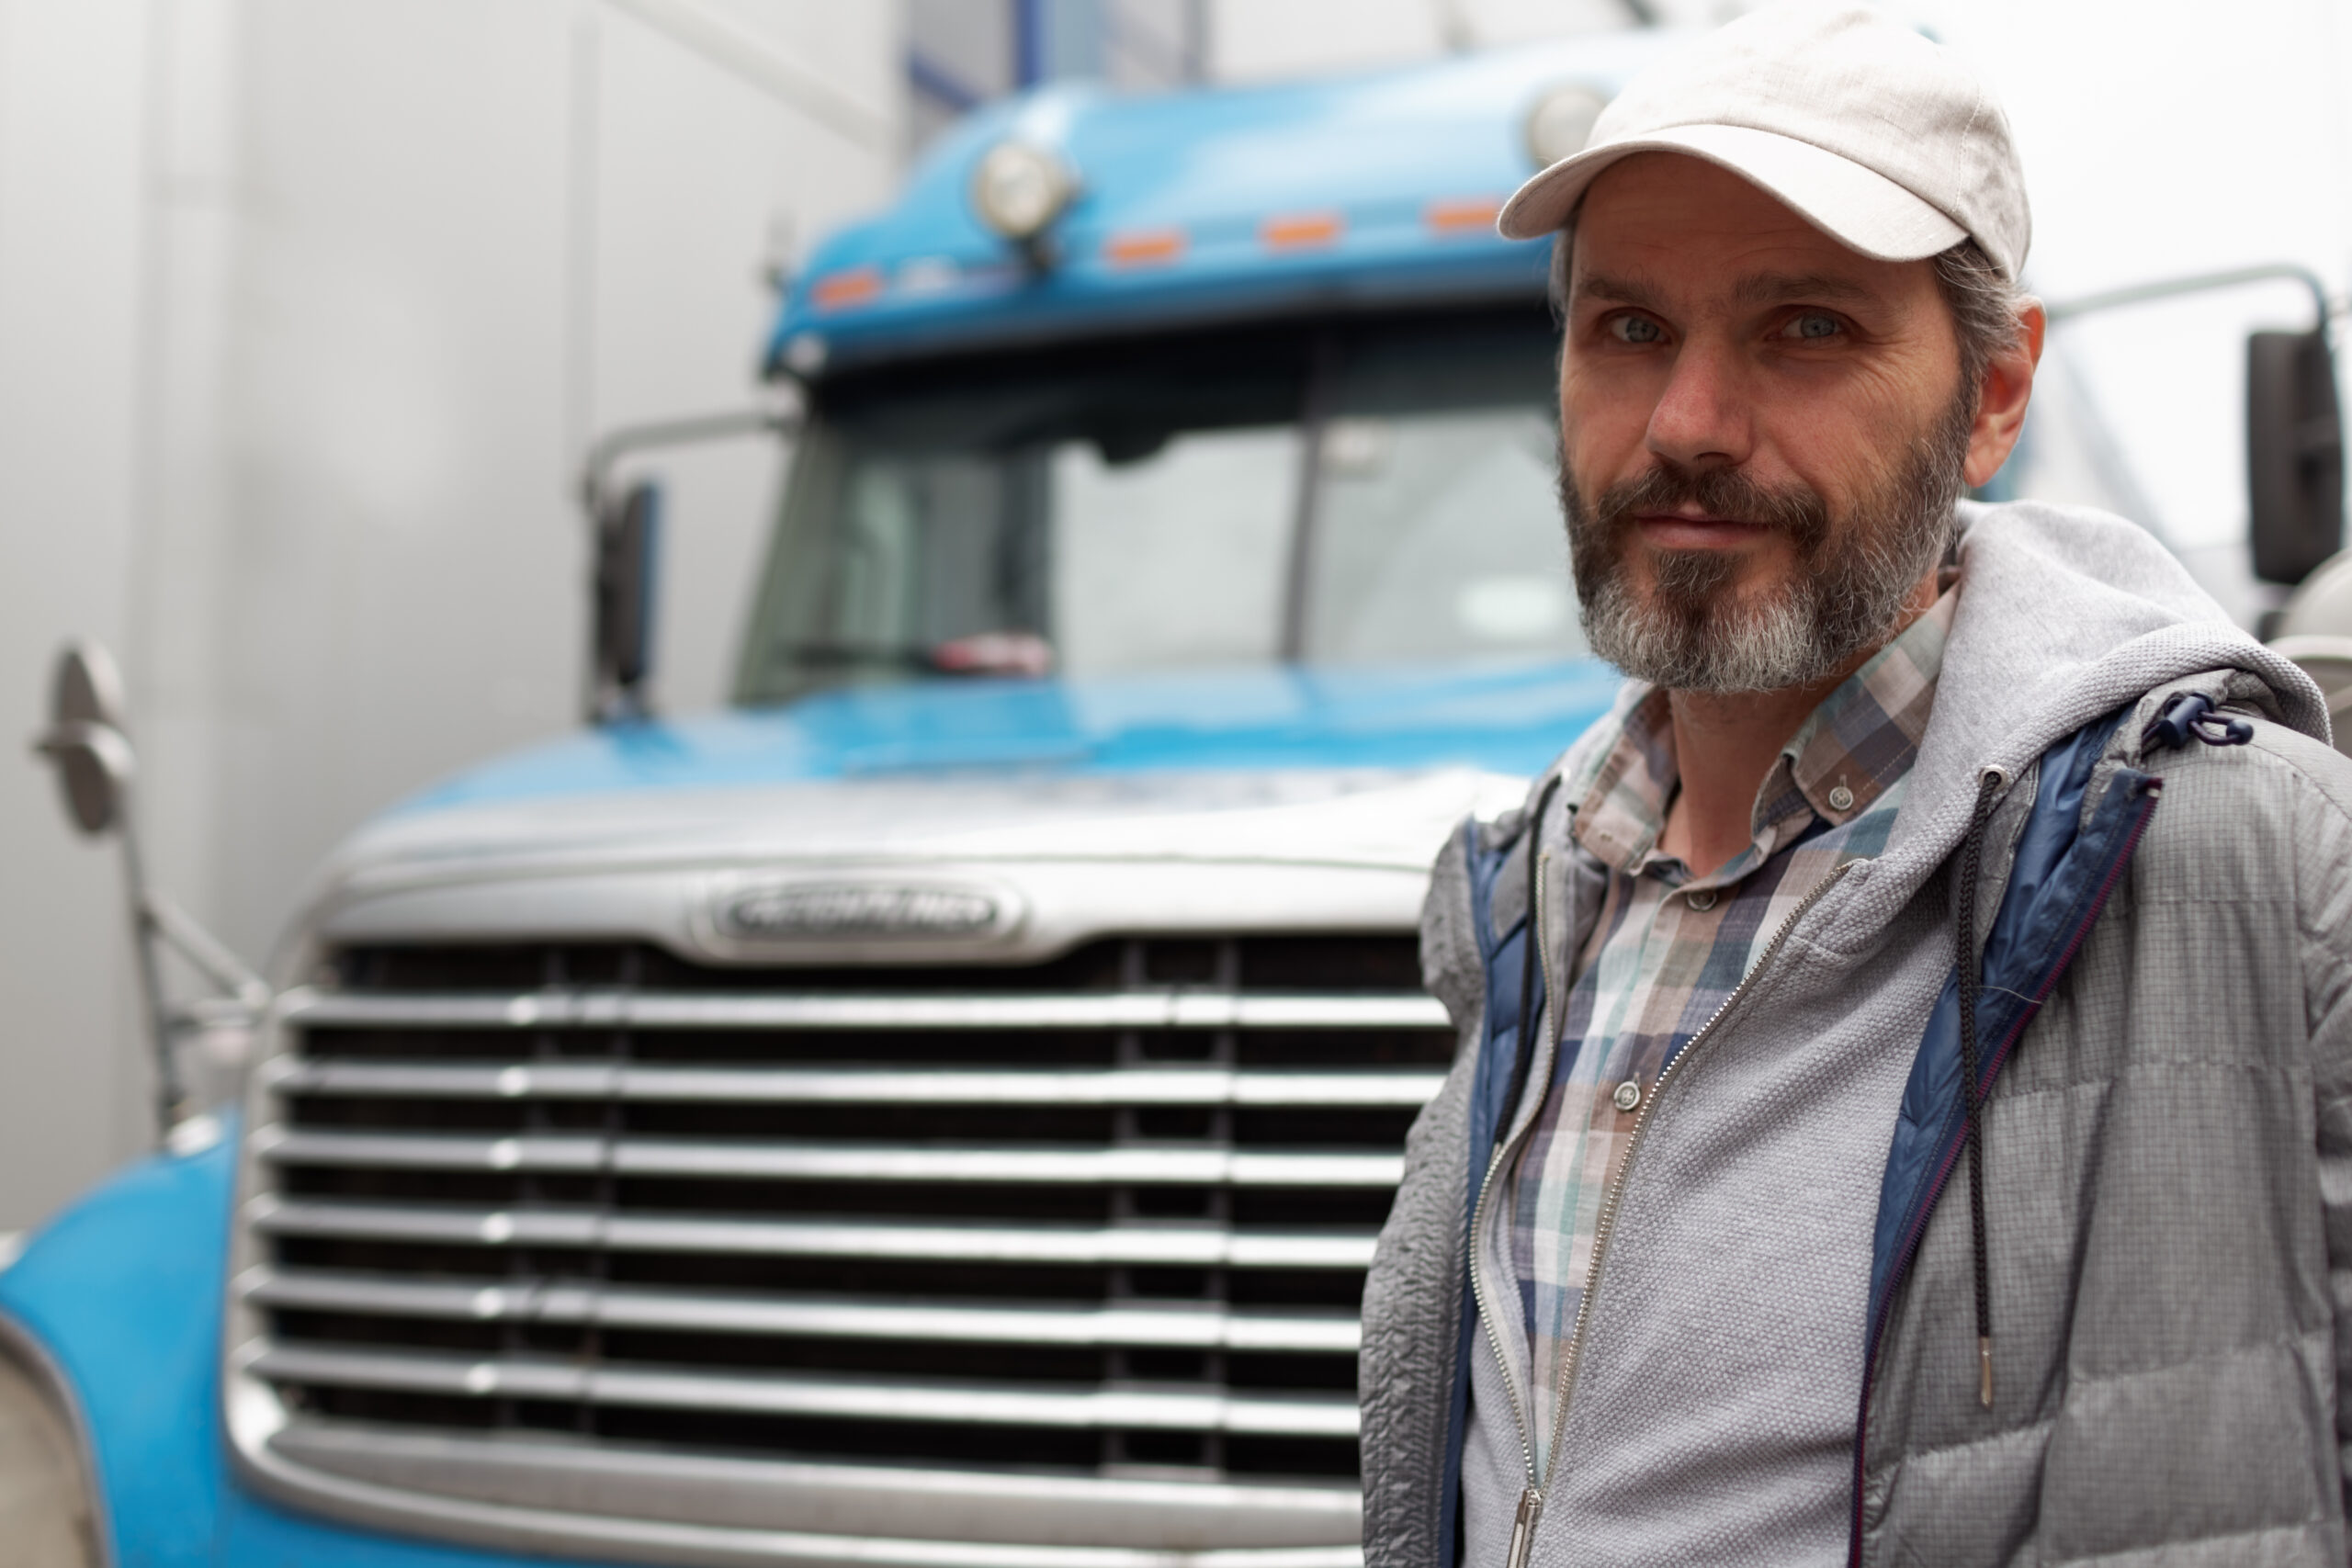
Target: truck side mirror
<point>627,547</point>
<point>85,740</point>
<point>2294,454</point>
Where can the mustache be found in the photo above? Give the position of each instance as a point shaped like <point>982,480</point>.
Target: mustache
<point>1796,510</point>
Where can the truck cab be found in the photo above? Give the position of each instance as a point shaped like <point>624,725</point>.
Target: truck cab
<point>938,1110</point>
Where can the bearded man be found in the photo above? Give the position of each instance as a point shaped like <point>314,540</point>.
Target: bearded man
<point>1904,1105</point>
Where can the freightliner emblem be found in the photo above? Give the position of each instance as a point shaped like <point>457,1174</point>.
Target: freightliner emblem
<point>859,911</point>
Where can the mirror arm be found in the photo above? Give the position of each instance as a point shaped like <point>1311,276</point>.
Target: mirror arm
<point>206,952</point>
<point>97,770</point>
<point>2201,283</point>
<point>171,1096</point>
<point>608,450</point>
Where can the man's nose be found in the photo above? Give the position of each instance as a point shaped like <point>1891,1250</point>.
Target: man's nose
<point>1702,414</point>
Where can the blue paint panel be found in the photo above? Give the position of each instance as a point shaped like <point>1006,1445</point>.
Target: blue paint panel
<point>124,1290</point>
<point>1214,164</point>
<point>1509,719</point>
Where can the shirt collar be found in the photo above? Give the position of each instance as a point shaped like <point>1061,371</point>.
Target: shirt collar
<point>1850,750</point>
<point>1865,735</point>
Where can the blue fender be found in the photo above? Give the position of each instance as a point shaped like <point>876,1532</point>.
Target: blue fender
<point>123,1290</point>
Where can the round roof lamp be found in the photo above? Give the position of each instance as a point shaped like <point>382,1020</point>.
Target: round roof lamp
<point>1561,122</point>
<point>1019,188</point>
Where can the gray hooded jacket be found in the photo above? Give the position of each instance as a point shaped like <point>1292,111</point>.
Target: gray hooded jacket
<point>2167,1161</point>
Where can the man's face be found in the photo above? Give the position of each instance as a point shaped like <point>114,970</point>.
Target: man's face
<point>1762,432</point>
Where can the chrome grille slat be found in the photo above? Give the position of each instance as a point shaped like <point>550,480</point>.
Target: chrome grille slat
<point>561,1008</point>
<point>778,1395</point>
<point>1165,1245</point>
<point>820,1162</point>
<point>1183,1086</point>
<point>1193,1328</point>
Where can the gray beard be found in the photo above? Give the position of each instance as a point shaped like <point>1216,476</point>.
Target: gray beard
<point>1691,634</point>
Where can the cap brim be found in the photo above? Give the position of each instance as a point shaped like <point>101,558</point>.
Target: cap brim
<point>1860,210</point>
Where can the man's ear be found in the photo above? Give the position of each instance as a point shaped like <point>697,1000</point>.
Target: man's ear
<point>2001,400</point>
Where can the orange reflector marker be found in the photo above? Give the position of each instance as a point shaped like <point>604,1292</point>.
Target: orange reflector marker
<point>1144,247</point>
<point>1476,214</point>
<point>1301,231</point>
<point>840,290</point>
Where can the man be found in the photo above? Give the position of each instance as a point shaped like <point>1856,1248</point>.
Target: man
<point>1904,1106</point>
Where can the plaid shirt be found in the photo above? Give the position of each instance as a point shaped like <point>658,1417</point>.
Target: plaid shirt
<point>1669,948</point>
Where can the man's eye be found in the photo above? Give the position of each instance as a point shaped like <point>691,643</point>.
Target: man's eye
<point>1812,325</point>
<point>1634,329</point>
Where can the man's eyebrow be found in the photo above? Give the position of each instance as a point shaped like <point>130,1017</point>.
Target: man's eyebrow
<point>1756,289</point>
<point>1616,291</point>
<point>1781,287</point>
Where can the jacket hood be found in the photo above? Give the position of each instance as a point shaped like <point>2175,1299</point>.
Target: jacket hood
<point>2065,614</point>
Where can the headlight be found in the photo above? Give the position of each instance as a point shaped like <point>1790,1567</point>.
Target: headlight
<point>1020,188</point>
<point>1561,122</point>
<point>48,1506</point>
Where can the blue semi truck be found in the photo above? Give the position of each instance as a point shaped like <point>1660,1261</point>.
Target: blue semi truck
<point>937,1110</point>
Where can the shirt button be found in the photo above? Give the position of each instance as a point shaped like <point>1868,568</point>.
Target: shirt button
<point>1628,1095</point>
<point>1841,799</point>
<point>1702,899</point>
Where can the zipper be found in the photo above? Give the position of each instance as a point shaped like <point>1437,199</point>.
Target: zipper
<point>1606,1221</point>
<point>1522,1528</point>
<point>1530,1498</point>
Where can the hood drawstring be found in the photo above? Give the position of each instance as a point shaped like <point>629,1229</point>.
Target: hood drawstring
<point>1969,968</point>
<point>2184,717</point>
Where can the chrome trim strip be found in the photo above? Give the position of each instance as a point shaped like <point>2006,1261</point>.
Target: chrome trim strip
<point>965,1506</point>
<point>342,1079</point>
<point>1206,1327</point>
<point>828,1162</point>
<point>1170,1245</point>
<point>561,1008</point>
<point>776,1393</point>
<point>22,1346</point>
<point>542,1530</point>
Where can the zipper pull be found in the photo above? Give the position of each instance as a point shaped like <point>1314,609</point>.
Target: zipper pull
<point>1522,1528</point>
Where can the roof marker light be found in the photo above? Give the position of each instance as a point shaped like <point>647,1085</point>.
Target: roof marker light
<point>1473,215</point>
<point>841,290</point>
<point>1561,122</point>
<point>1019,188</point>
<point>1144,247</point>
<point>1301,231</point>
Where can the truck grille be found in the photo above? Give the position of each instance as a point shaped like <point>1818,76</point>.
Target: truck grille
<point>1105,1216</point>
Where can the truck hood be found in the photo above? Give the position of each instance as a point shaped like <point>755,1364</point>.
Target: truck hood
<point>1508,719</point>
<point>1353,772</point>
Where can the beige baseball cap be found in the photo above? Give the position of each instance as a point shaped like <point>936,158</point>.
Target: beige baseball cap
<point>1878,137</point>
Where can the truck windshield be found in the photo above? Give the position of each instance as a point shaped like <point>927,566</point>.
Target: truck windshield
<point>1377,491</point>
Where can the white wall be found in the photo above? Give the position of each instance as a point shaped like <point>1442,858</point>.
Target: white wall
<point>71,416</point>
<point>1254,40</point>
<point>306,314</point>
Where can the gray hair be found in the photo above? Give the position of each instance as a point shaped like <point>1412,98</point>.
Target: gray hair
<point>1988,309</point>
